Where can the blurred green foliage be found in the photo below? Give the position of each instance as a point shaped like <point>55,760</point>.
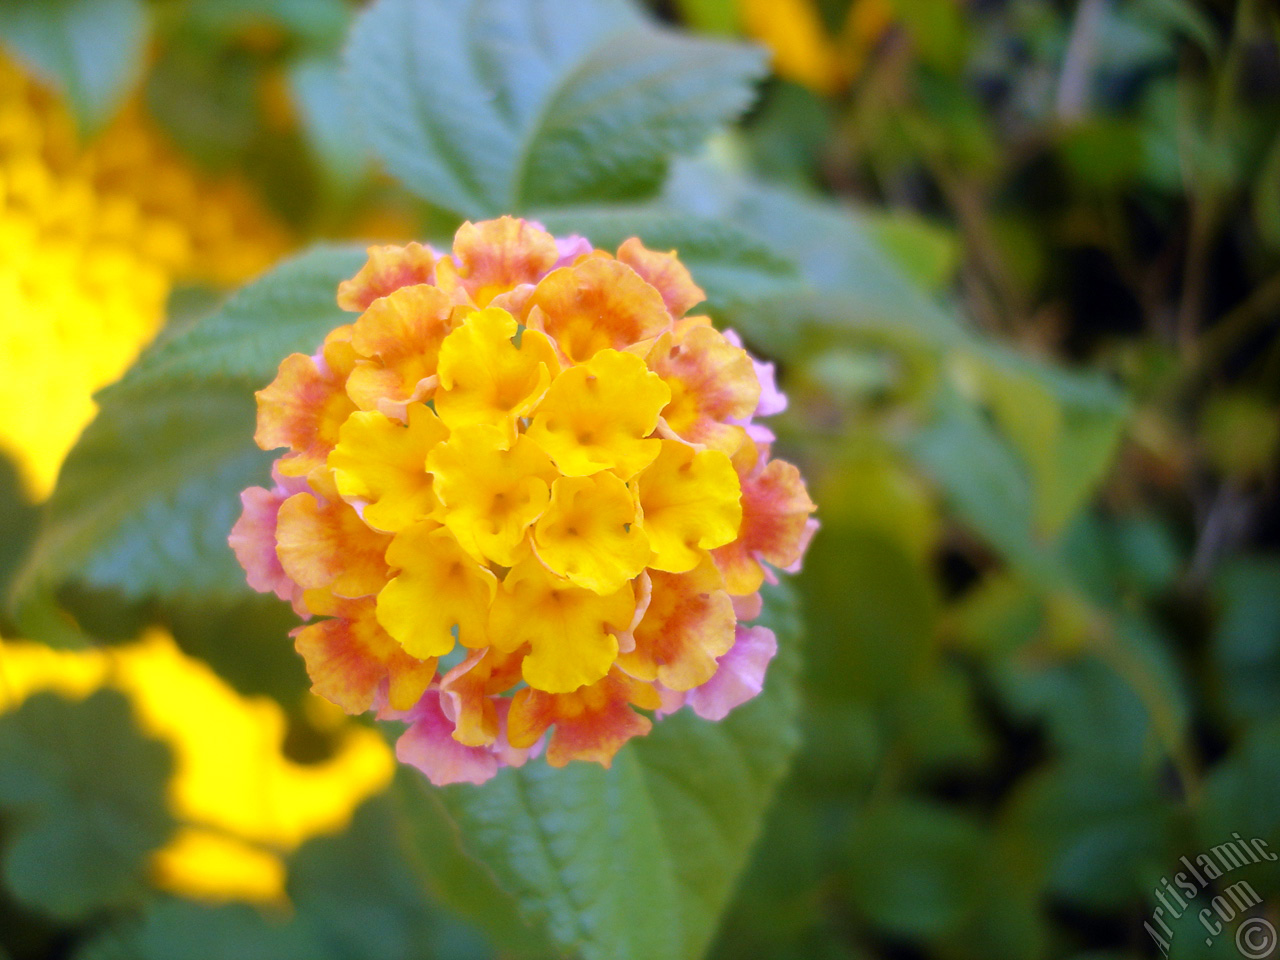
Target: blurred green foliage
<point>1021,272</point>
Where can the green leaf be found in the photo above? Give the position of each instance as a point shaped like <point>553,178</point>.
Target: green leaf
<point>18,521</point>
<point>937,723</point>
<point>206,98</point>
<point>148,495</point>
<point>638,861</point>
<point>912,868</point>
<point>182,929</point>
<point>928,253</point>
<point>320,25</point>
<point>328,123</point>
<point>1124,704</point>
<point>92,50</point>
<point>358,895</point>
<point>84,793</point>
<point>1246,640</point>
<point>241,641</point>
<point>1184,17</point>
<point>1101,828</point>
<point>493,106</point>
<point>872,586</point>
<point>985,484</point>
<point>289,310</point>
<point>1065,426</point>
<point>1242,796</point>
<point>858,285</point>
<point>456,879</point>
<point>710,16</point>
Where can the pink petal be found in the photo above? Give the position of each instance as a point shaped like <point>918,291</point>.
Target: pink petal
<point>739,677</point>
<point>253,538</point>
<point>428,744</point>
<point>571,248</point>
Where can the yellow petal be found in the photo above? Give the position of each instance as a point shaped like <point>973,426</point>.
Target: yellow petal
<point>691,500</point>
<point>485,378</point>
<point>441,593</point>
<point>590,533</point>
<point>688,624</point>
<point>383,463</point>
<point>598,416</point>
<point>491,495</point>
<point>570,631</point>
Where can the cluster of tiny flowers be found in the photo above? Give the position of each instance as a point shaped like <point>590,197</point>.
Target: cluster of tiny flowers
<point>528,495</point>
<point>93,236</point>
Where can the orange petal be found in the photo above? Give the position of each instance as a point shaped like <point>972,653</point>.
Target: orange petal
<point>711,381</point>
<point>665,272</point>
<point>598,304</point>
<point>328,545</point>
<point>689,623</point>
<point>775,515</point>
<point>496,255</point>
<point>590,724</point>
<point>349,657</point>
<point>469,689</point>
<point>389,268</point>
<point>305,406</point>
<point>400,337</point>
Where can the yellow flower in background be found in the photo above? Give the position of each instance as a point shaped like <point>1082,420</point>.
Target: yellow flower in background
<point>804,51</point>
<point>240,803</point>
<point>92,239</point>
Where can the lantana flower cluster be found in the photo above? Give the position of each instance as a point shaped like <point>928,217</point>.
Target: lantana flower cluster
<point>528,496</point>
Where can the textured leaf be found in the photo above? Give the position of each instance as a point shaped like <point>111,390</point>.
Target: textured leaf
<point>639,860</point>
<point>84,792</point>
<point>837,249</point>
<point>493,106</point>
<point>288,310</point>
<point>92,50</point>
<point>456,879</point>
<point>148,495</point>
